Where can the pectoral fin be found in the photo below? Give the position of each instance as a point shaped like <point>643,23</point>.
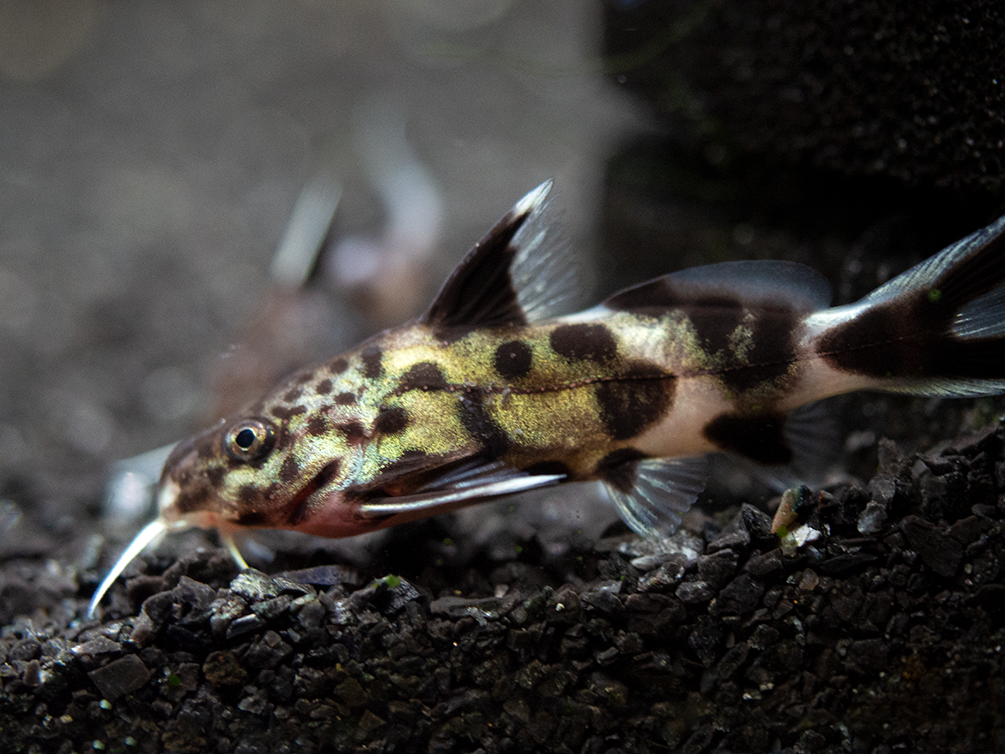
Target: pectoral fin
<point>461,486</point>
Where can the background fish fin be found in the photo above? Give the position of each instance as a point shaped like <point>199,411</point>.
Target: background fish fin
<point>461,485</point>
<point>653,494</point>
<point>770,283</point>
<point>937,329</point>
<point>516,274</point>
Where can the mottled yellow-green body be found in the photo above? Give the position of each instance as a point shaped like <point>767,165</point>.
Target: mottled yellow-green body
<point>486,394</point>
<point>410,397</point>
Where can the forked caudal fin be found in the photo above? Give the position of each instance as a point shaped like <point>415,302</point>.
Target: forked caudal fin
<point>937,329</point>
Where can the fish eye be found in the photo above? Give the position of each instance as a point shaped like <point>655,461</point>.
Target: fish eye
<point>248,440</point>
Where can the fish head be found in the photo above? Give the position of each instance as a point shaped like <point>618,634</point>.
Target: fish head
<point>318,446</point>
<point>287,462</point>
<point>257,470</point>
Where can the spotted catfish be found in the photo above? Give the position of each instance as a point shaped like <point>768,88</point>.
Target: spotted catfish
<point>488,393</point>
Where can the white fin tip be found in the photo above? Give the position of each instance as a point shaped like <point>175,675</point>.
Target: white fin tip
<point>532,199</point>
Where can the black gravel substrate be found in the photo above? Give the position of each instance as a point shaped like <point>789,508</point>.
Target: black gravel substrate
<point>882,632</point>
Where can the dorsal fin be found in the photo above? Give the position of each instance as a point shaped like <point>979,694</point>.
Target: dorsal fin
<point>510,277</point>
<point>771,282</point>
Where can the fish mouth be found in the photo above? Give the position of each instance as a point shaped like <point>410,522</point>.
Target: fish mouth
<point>173,520</point>
<point>167,495</point>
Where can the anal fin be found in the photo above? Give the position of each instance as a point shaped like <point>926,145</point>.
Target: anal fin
<point>812,432</point>
<point>780,449</point>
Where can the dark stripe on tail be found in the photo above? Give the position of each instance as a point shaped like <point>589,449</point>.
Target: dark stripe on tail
<point>908,333</point>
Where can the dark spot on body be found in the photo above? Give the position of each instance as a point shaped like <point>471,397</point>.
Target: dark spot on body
<point>215,474</point>
<point>338,365</point>
<point>873,343</point>
<point>345,399</point>
<point>760,438</point>
<point>324,387</point>
<point>513,359</point>
<point>413,455</point>
<point>618,468</point>
<point>372,358</point>
<point>424,375</point>
<point>299,512</point>
<point>715,319</point>
<point>204,445</point>
<point>290,470</point>
<point>288,412</point>
<point>391,421</point>
<point>252,518</point>
<point>292,395</point>
<point>632,403</point>
<point>283,438</point>
<point>768,352</point>
<point>317,426</point>
<point>546,468</point>
<point>194,495</point>
<point>479,425</point>
<point>910,338</point>
<point>354,431</point>
<point>584,342</point>
<point>249,495</point>
<point>762,355</point>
